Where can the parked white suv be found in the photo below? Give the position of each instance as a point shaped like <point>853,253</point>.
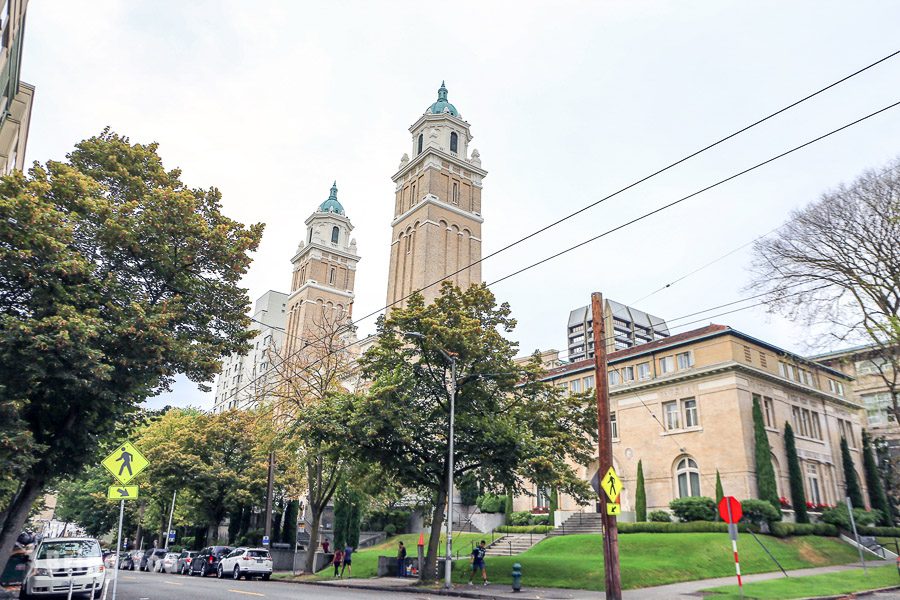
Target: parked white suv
<point>246,562</point>
<point>62,564</point>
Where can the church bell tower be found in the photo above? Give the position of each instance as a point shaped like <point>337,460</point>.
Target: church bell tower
<point>437,207</point>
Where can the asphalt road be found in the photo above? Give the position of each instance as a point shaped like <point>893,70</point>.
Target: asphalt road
<point>135,585</point>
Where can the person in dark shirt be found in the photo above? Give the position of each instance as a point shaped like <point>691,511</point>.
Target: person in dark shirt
<point>401,560</point>
<point>477,560</point>
<point>348,554</point>
<point>338,560</point>
<point>325,546</point>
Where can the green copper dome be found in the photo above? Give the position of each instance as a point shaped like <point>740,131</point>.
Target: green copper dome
<point>332,205</point>
<point>442,106</point>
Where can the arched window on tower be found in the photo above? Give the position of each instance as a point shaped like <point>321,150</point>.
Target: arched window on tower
<point>335,234</point>
<point>421,140</point>
<point>688,475</point>
<point>454,142</point>
<point>331,276</point>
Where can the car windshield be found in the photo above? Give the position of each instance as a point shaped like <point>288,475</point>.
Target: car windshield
<point>69,549</point>
<point>258,553</point>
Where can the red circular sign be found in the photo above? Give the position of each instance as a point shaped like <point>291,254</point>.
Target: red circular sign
<point>736,511</point>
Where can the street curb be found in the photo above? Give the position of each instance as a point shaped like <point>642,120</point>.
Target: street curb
<point>854,594</point>
<point>404,590</point>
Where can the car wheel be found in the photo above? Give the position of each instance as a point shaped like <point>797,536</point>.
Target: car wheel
<point>219,573</point>
<point>23,595</point>
<point>236,574</point>
<point>203,570</point>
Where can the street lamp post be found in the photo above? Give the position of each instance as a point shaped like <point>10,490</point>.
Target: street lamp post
<point>448,562</point>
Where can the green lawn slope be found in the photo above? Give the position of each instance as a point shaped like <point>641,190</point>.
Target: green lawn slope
<point>830,584</point>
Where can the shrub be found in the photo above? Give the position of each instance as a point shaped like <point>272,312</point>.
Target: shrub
<point>520,517</point>
<point>390,529</point>
<point>879,531</point>
<point>378,519</point>
<point>840,516</point>
<point>659,516</point>
<point>759,511</point>
<point>691,527</point>
<point>542,519</point>
<point>782,530</point>
<point>490,503</point>
<point>694,508</point>
<point>523,529</point>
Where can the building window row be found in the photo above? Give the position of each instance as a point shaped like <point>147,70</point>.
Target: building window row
<point>806,423</point>
<point>873,367</point>
<point>680,414</point>
<point>643,371</point>
<point>878,408</point>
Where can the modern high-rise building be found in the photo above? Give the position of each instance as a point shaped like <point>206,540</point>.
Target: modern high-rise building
<point>625,327</point>
<point>247,378</point>
<point>323,277</point>
<point>437,207</point>
<point>16,96</point>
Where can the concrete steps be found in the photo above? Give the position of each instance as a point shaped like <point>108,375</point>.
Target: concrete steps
<point>587,522</point>
<point>514,543</point>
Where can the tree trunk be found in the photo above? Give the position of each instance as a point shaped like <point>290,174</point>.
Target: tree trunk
<point>429,571</point>
<point>316,511</point>
<point>17,515</point>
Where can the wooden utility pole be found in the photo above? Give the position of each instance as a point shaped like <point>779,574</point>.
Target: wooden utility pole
<point>269,488</point>
<point>601,386</point>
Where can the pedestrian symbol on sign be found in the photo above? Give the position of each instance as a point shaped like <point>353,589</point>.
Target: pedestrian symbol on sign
<point>125,457</point>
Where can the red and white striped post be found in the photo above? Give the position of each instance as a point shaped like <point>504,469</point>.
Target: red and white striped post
<point>731,512</point>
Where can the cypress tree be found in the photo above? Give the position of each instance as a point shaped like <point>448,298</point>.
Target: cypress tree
<point>877,497</point>
<point>720,493</point>
<point>554,503</point>
<point>289,531</point>
<point>795,476</point>
<point>640,495</point>
<point>851,482</point>
<point>765,474</point>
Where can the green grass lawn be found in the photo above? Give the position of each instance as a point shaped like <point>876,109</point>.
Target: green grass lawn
<point>365,562</point>
<point>830,584</point>
<point>647,559</point>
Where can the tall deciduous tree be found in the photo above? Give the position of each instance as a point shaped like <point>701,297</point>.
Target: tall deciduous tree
<point>851,481</point>
<point>640,495</point>
<point>114,277</point>
<point>877,497</point>
<point>795,476</point>
<point>765,474</point>
<point>510,427</point>
<point>837,261</point>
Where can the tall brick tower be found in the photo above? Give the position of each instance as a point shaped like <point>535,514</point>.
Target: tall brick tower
<point>437,209</point>
<point>323,275</point>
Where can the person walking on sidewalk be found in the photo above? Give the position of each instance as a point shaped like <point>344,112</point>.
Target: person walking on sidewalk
<point>401,560</point>
<point>348,554</point>
<point>338,560</point>
<point>477,560</point>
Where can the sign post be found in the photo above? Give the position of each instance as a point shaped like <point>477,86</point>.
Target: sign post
<point>731,512</point>
<point>132,463</point>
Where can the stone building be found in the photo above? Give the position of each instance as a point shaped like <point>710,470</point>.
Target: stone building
<point>245,378</point>
<point>436,230</point>
<point>682,405</point>
<point>324,273</point>
<point>16,96</point>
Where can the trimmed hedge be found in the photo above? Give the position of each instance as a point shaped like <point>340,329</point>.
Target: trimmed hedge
<point>660,516</point>
<point>782,530</point>
<point>879,531</point>
<point>689,527</point>
<point>523,528</point>
<point>694,508</point>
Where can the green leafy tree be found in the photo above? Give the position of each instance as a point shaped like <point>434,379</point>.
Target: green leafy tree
<point>851,481</point>
<point>82,501</point>
<point>114,277</point>
<point>877,496</point>
<point>640,495</point>
<point>765,474</point>
<point>795,476</point>
<point>720,493</point>
<point>510,428</point>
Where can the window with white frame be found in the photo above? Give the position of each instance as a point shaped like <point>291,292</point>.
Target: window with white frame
<point>878,408</point>
<point>588,382</point>
<point>613,425</point>
<point>688,476</point>
<point>690,412</point>
<point>614,377</point>
<point>667,364</point>
<point>643,370</point>
<point>812,483</point>
<point>787,371</point>
<point>685,360</point>
<point>627,374</point>
<point>870,367</point>
<point>836,387</point>
<point>575,385</point>
<point>670,415</point>
<point>769,412</point>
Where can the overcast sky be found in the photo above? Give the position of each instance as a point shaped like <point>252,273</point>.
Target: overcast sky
<point>568,101</point>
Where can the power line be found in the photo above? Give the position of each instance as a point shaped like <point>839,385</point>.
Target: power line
<point>642,180</point>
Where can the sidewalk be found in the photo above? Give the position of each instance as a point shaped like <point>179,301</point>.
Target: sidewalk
<point>688,590</point>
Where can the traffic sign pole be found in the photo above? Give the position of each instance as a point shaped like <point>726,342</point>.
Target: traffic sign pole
<point>171,513</point>
<point>118,548</point>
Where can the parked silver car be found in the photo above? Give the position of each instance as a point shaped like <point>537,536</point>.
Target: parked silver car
<point>184,561</point>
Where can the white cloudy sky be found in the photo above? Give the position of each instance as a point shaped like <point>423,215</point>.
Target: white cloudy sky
<point>568,101</point>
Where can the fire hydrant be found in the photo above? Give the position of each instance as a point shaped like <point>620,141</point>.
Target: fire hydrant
<point>517,577</point>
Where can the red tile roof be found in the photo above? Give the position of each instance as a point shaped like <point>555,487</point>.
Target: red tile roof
<point>620,354</point>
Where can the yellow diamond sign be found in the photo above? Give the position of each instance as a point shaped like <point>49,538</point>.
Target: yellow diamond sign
<point>125,462</point>
<point>122,492</point>
<point>611,484</point>
<point>613,509</point>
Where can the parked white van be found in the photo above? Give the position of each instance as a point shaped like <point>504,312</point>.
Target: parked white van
<point>62,564</point>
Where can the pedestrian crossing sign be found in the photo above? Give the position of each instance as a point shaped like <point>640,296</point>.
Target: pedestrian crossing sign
<point>122,492</point>
<point>611,484</point>
<point>125,462</point>
<point>613,509</point>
